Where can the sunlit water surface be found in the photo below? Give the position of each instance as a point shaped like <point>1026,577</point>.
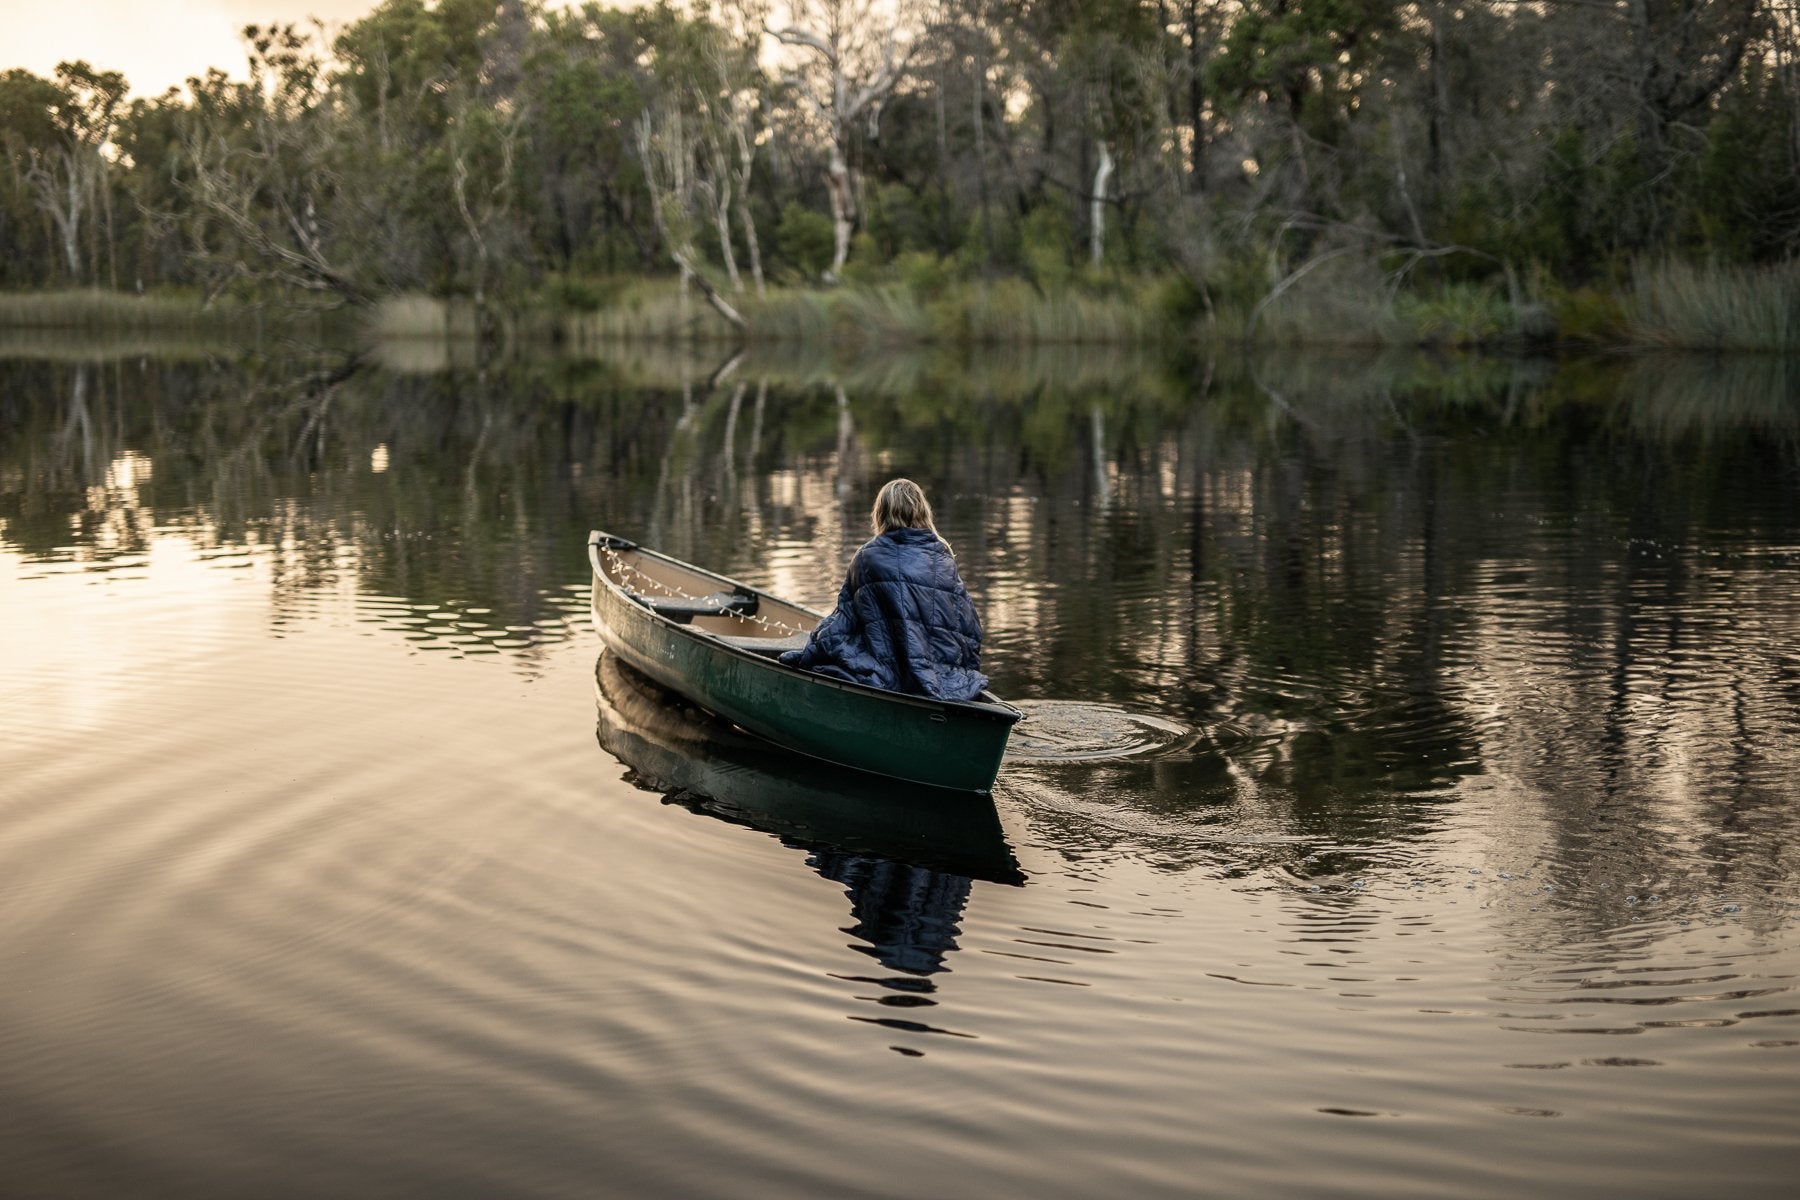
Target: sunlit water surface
<point>1427,826</point>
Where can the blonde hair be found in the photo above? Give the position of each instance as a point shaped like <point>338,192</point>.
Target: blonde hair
<point>901,504</point>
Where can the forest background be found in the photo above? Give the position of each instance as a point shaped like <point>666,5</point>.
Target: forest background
<point>942,170</point>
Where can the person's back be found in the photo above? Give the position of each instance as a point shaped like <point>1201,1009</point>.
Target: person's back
<point>904,620</point>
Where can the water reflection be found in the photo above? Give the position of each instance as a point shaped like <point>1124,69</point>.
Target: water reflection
<point>713,768</point>
<point>906,856</point>
<point>1368,582</point>
<point>1492,672</point>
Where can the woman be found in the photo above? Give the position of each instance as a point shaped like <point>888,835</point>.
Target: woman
<point>903,619</point>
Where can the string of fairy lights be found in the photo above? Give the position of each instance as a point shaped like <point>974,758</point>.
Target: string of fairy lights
<point>632,579</point>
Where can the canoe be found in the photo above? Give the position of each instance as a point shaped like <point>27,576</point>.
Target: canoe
<point>714,641</point>
<point>710,767</point>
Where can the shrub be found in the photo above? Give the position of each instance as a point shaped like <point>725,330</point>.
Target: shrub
<point>1177,299</point>
<point>1044,243</point>
<point>579,293</point>
<point>806,239</point>
<point>925,274</point>
<point>1459,314</point>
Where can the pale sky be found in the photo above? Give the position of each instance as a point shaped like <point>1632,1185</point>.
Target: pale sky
<point>156,43</point>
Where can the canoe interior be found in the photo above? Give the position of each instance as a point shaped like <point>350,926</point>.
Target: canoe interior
<point>650,575</point>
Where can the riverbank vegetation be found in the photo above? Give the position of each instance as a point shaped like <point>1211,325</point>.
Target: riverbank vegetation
<point>1054,171</point>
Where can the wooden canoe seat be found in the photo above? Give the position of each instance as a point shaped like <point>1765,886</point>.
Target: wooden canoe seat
<point>682,609</point>
<point>768,647</point>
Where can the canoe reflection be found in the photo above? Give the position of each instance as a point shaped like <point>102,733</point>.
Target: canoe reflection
<point>905,854</point>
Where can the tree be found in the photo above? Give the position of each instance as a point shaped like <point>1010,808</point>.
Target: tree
<point>1306,64</point>
<point>666,146</point>
<point>854,55</point>
<point>69,175</point>
<point>733,129</point>
<point>262,157</point>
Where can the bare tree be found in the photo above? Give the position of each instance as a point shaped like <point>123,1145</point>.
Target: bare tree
<point>734,132</point>
<point>715,186</point>
<point>857,52</point>
<point>68,178</point>
<point>667,151</point>
<point>477,134</point>
<point>264,179</point>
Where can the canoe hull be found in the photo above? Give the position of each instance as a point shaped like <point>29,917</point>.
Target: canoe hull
<point>940,743</point>
<point>710,767</point>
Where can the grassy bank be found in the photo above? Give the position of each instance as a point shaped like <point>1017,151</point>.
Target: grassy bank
<point>1004,312</point>
<point>75,312</point>
<point>1346,302</point>
<point>1679,306</point>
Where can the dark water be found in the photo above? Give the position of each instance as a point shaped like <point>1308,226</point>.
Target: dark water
<point>334,860</point>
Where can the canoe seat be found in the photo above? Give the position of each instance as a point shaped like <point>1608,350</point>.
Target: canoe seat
<point>768,647</point>
<point>682,609</point>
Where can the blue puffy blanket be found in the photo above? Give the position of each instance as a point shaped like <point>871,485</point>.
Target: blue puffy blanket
<point>903,622</point>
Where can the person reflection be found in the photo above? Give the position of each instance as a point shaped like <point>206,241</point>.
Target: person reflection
<point>907,857</point>
<point>906,914</point>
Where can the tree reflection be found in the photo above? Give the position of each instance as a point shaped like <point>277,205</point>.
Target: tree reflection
<point>1367,580</point>
<point>906,856</point>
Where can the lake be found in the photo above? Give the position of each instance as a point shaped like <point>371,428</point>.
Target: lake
<point>1411,809</point>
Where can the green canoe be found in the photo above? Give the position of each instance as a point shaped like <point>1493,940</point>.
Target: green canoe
<point>709,766</point>
<point>714,641</point>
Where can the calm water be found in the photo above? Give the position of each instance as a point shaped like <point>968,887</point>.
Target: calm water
<point>335,860</point>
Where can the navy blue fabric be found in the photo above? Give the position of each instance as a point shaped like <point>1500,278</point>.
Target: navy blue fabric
<point>903,622</point>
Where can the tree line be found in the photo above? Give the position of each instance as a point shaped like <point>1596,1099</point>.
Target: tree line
<point>499,149</point>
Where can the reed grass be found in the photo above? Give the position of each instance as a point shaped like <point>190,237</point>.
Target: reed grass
<point>894,313</point>
<point>414,315</point>
<point>1680,306</point>
<point>1001,373</point>
<point>100,310</point>
<point>173,315</point>
<point>1352,303</point>
<point>59,344</point>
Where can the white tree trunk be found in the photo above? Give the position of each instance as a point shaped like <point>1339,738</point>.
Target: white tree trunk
<point>71,227</point>
<point>749,225</point>
<point>61,195</point>
<point>747,160</point>
<point>722,218</point>
<point>1097,209</point>
<point>843,209</point>
<point>459,180</point>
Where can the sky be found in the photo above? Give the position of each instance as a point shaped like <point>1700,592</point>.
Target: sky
<point>156,43</point>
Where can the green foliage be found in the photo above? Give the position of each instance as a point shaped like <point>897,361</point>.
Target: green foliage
<point>898,221</point>
<point>867,264</point>
<point>1460,314</point>
<point>1178,300</point>
<point>1748,171</point>
<point>579,293</point>
<point>1586,314</point>
<point>925,274</point>
<point>1045,244</point>
<point>805,238</point>
<point>1310,58</point>
<point>464,147</point>
<point>28,107</point>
